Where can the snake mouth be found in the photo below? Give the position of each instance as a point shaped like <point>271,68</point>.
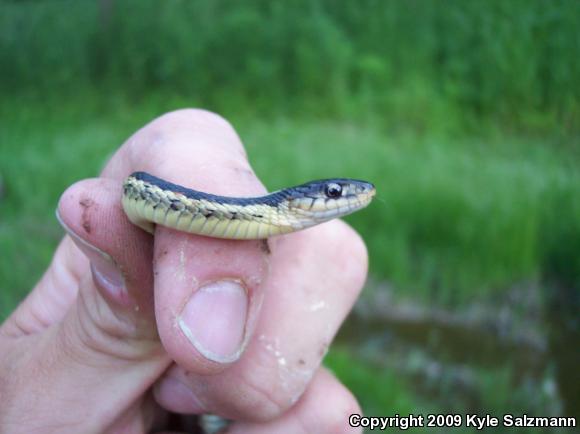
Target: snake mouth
<point>370,193</point>
<point>341,208</point>
<point>365,198</point>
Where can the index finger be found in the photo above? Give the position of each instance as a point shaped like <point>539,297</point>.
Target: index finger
<point>207,291</point>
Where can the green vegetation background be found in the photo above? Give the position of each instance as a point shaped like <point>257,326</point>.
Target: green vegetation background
<point>465,114</point>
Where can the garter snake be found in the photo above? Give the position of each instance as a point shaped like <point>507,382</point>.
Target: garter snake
<point>148,200</point>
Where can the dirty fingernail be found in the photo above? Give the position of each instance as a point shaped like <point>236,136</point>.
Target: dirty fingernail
<point>214,320</point>
<point>104,268</point>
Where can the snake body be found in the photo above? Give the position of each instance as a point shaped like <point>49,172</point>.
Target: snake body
<point>148,200</point>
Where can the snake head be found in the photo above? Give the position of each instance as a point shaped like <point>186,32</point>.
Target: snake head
<point>325,199</point>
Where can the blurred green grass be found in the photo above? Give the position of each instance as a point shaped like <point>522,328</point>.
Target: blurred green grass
<point>467,65</point>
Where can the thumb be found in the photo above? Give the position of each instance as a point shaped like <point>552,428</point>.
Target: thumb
<point>116,296</point>
<point>96,363</point>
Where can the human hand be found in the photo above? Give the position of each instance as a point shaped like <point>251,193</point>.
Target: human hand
<point>137,326</point>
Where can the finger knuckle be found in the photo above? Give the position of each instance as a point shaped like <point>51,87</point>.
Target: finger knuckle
<point>200,135</point>
<point>193,116</point>
<point>265,403</point>
<point>350,256</point>
<point>340,405</point>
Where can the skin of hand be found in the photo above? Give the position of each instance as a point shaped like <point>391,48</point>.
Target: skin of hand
<point>125,327</point>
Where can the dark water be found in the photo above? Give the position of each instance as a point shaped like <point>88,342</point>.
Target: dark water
<point>540,346</point>
<point>563,319</point>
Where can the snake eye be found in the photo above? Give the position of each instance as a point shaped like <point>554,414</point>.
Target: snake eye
<point>333,190</point>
